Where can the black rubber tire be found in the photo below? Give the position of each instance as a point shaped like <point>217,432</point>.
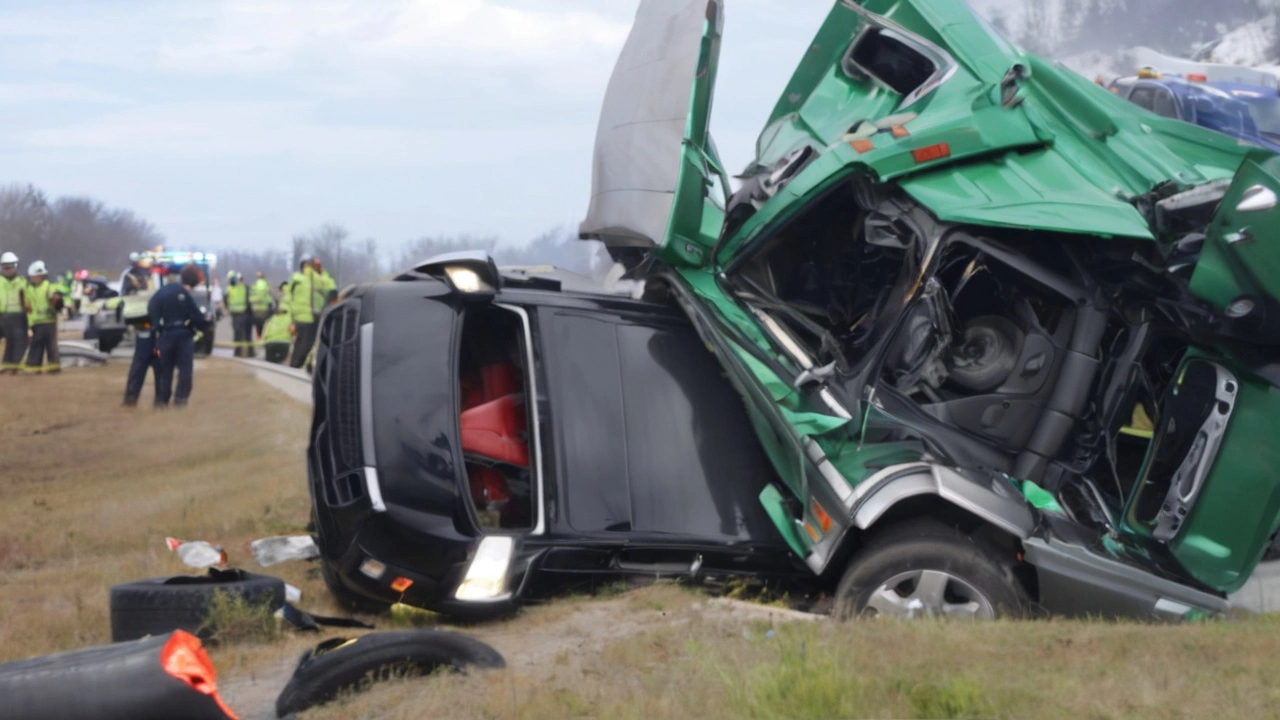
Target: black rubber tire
<point>341,664</point>
<point>160,605</point>
<point>1002,346</point>
<point>345,597</point>
<point>122,680</point>
<point>927,544</point>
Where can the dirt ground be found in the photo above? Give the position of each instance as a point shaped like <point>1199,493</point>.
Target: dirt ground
<point>90,490</point>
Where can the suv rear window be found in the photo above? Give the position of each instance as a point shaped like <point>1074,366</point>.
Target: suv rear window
<point>494,420</point>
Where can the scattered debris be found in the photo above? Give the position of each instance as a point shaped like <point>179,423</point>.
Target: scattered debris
<point>343,664</point>
<point>197,553</point>
<point>275,550</point>
<point>166,677</point>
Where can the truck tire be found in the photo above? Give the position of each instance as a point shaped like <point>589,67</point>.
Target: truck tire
<point>923,568</point>
<point>345,597</point>
<point>160,605</point>
<point>343,664</point>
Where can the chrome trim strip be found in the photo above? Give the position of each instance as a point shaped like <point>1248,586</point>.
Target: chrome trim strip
<point>532,396</point>
<point>375,489</point>
<point>366,394</point>
<point>371,483</point>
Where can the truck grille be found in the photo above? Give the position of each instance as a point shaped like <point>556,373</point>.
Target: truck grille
<point>336,440</point>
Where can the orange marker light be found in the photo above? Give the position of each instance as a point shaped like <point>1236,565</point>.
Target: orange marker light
<point>814,535</point>
<point>931,152</point>
<point>863,146</point>
<point>401,584</point>
<point>824,520</point>
<point>900,132</point>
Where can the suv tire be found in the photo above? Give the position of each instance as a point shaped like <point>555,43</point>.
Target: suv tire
<point>926,568</point>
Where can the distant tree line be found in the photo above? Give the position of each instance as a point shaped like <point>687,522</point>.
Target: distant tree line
<point>355,261</point>
<point>69,233</point>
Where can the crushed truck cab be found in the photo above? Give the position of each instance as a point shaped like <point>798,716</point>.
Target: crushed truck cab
<point>1008,341</point>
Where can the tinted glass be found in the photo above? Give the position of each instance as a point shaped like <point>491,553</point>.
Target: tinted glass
<point>1142,97</point>
<point>892,62</point>
<point>1163,104</point>
<point>588,407</point>
<point>653,436</point>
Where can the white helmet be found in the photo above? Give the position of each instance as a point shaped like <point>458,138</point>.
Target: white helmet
<point>8,259</point>
<point>37,268</point>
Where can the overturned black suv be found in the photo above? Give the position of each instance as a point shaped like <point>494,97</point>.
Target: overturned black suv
<point>480,436</point>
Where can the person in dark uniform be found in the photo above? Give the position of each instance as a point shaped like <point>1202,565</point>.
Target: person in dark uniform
<point>144,358</point>
<point>176,319</point>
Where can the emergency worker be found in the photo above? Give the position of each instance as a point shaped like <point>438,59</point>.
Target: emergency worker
<point>44,301</point>
<point>13,314</point>
<point>241,318</point>
<point>276,336</point>
<point>137,279</point>
<point>145,358</point>
<point>309,291</point>
<point>176,318</point>
<point>260,302</point>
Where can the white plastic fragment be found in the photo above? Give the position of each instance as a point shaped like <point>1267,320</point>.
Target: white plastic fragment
<point>197,553</point>
<point>275,550</point>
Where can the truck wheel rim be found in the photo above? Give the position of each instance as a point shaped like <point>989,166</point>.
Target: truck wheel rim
<point>928,593</point>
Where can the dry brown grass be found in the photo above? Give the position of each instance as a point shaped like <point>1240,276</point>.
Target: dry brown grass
<point>90,490</point>
<point>695,664</point>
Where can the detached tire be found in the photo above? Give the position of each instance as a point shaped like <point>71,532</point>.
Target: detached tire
<point>345,597</point>
<point>182,602</point>
<point>342,664</point>
<point>924,568</point>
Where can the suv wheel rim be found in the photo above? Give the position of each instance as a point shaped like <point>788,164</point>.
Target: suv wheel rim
<point>928,593</point>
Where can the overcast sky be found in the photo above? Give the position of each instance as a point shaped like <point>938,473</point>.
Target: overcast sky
<point>241,122</point>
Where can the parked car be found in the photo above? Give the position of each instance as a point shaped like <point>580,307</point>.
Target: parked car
<point>1229,109</point>
<point>1008,340</point>
<point>102,308</point>
<point>480,437</point>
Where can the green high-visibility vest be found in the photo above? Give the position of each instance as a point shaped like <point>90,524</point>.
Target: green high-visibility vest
<point>41,299</point>
<point>300,291</point>
<point>277,329</point>
<point>11,294</point>
<point>260,297</point>
<point>238,298</point>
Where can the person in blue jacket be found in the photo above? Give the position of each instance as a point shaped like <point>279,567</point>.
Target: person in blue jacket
<point>176,318</point>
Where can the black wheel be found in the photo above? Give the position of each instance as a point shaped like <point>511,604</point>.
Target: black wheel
<point>348,599</point>
<point>111,681</point>
<point>182,602</point>
<point>341,664</point>
<point>923,568</point>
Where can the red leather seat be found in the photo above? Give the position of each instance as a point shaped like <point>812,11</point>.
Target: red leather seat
<point>490,382</point>
<point>496,430</point>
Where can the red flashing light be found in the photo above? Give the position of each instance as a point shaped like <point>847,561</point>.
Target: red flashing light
<point>930,153</point>
<point>1197,77</point>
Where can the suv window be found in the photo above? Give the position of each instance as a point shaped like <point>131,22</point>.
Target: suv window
<point>651,437</point>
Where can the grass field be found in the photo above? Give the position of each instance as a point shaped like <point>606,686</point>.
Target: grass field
<point>90,490</point>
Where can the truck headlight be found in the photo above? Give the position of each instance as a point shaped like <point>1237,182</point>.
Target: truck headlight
<point>486,578</point>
